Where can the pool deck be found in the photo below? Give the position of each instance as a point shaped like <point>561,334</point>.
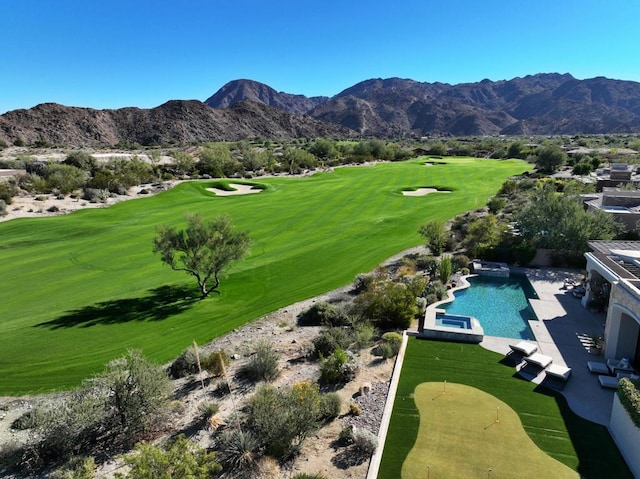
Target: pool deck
<point>562,332</point>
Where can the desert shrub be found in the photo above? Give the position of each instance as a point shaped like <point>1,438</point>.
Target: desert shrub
<point>3,208</point>
<point>81,160</point>
<point>339,368</point>
<point>7,192</point>
<point>76,468</point>
<point>329,407</point>
<point>180,458</point>
<point>345,436</point>
<point>282,418</point>
<point>263,364</point>
<point>215,363</point>
<point>184,365</point>
<point>436,288</point>
<point>365,441</point>
<point>208,409</point>
<point>389,346</point>
<point>362,282</point>
<point>306,475</point>
<point>496,203</point>
<point>136,393</point>
<point>30,419</point>
<point>221,388</point>
<point>459,262</point>
<point>331,339</point>
<point>427,263</point>
<point>445,268</point>
<point>363,334</point>
<point>238,450</point>
<point>53,209</point>
<point>95,195</point>
<point>388,305</point>
<point>354,409</point>
<point>431,298</point>
<point>64,178</point>
<point>323,314</point>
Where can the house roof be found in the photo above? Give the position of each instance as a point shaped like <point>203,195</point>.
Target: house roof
<point>621,257</point>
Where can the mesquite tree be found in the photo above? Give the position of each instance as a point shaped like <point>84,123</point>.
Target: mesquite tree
<point>203,249</point>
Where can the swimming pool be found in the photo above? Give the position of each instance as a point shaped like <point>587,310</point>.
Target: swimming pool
<point>500,304</point>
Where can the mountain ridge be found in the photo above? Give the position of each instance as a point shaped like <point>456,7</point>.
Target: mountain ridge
<point>539,104</point>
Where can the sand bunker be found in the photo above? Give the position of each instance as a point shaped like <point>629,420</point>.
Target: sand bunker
<point>423,192</point>
<point>239,190</point>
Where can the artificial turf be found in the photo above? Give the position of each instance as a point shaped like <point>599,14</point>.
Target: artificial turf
<point>459,421</point>
<point>79,290</point>
<point>581,445</point>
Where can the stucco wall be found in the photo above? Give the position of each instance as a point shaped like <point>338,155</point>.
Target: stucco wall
<point>626,435</point>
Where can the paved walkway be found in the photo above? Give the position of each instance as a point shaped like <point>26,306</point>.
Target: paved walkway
<point>563,333</point>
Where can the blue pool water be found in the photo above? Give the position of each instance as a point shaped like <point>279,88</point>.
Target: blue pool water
<point>500,304</point>
<point>453,321</point>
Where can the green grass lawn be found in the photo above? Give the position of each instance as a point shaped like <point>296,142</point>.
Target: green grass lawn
<point>461,421</point>
<point>581,445</point>
<point>79,290</point>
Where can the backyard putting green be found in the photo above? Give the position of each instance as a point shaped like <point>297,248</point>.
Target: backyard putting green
<point>581,445</point>
<point>482,432</point>
<point>79,290</point>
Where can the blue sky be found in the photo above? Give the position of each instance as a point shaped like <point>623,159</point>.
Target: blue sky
<point>116,53</point>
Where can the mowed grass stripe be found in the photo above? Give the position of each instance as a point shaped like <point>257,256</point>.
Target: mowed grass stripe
<point>81,289</point>
<point>583,446</point>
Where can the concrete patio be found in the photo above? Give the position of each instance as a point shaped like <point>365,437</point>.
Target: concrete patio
<point>563,332</point>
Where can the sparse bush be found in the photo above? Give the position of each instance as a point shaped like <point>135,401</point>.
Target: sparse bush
<point>53,209</point>
<point>445,268</point>
<point>32,418</point>
<point>329,408</point>
<point>3,208</point>
<point>238,450</point>
<point>384,350</point>
<point>184,365</point>
<point>208,409</point>
<point>76,468</point>
<point>323,314</point>
<point>365,441</point>
<point>354,409</point>
<point>178,459</point>
<point>345,436</point>
<point>388,305</point>
<point>305,475</point>
<point>95,195</point>
<point>390,345</point>
<point>363,333</point>
<point>331,339</point>
<point>339,368</point>
<point>215,363</point>
<point>263,365</point>
<point>459,262</point>
<point>283,418</point>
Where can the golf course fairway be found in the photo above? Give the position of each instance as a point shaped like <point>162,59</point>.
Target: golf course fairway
<point>79,290</point>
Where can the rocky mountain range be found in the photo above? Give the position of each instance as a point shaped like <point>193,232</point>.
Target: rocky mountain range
<point>541,104</point>
<point>177,121</point>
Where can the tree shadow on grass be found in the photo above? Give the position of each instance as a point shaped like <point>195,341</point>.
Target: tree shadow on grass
<point>159,304</point>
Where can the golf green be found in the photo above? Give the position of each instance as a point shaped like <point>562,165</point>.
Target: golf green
<point>465,432</point>
<point>79,290</point>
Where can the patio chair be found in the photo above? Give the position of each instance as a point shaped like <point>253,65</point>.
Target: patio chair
<point>557,371</point>
<point>540,360</point>
<point>523,347</point>
<point>597,367</point>
<point>608,381</point>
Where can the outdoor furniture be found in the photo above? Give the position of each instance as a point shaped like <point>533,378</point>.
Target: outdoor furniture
<point>597,367</point>
<point>608,382</point>
<point>540,360</point>
<point>619,365</point>
<point>524,347</point>
<point>557,371</point>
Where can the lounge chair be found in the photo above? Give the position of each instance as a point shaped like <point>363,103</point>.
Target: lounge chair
<point>541,360</point>
<point>557,371</point>
<point>597,367</point>
<point>608,381</point>
<point>524,347</point>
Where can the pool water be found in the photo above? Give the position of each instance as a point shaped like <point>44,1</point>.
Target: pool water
<point>453,321</point>
<point>500,304</point>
